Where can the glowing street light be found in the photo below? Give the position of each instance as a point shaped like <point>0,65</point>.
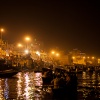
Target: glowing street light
<point>2,29</point>
<point>84,57</point>
<point>19,48</point>
<point>73,57</point>
<point>27,39</point>
<point>92,57</point>
<point>57,54</point>
<point>53,52</point>
<point>19,45</point>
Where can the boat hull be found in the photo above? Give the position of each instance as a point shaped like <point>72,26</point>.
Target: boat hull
<point>8,74</point>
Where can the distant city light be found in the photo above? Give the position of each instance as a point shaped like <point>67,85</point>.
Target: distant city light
<point>2,29</point>
<point>73,57</point>
<point>26,51</point>
<point>92,57</point>
<point>57,54</point>
<point>19,45</point>
<point>99,61</point>
<point>7,54</point>
<point>53,52</point>
<point>38,53</point>
<point>27,39</point>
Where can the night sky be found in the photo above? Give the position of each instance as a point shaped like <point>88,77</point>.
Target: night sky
<point>55,23</point>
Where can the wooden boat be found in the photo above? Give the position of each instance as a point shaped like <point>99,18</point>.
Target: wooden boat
<point>8,73</point>
<point>7,70</point>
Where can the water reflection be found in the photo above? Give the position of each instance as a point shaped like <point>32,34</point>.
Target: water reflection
<point>38,79</point>
<point>19,86</point>
<point>89,79</point>
<point>28,86</point>
<point>6,89</point>
<point>1,90</point>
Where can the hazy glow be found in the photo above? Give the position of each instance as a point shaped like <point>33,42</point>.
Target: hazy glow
<point>7,54</point>
<point>88,57</point>
<point>53,52</point>
<point>73,57</point>
<point>2,29</point>
<point>99,61</point>
<point>92,57</point>
<point>57,54</point>
<point>19,45</point>
<point>27,39</point>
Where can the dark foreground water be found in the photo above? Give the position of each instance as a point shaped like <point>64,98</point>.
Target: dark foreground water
<point>28,86</point>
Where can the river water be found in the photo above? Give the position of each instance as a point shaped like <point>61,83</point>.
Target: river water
<point>28,86</point>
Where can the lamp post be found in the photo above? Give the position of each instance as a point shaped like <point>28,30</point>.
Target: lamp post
<point>57,54</point>
<point>54,56</point>
<point>1,30</point>
<point>19,46</point>
<point>27,39</point>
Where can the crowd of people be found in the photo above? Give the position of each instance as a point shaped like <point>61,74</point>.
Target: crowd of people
<point>64,84</point>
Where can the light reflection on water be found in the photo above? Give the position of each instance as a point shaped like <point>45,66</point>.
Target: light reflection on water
<point>28,85</point>
<point>6,89</point>
<point>89,79</point>
<point>19,86</point>
<point>90,85</point>
<point>28,82</point>
<point>1,90</point>
<point>23,86</point>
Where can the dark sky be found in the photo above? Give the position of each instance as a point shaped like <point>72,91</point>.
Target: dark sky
<point>55,23</point>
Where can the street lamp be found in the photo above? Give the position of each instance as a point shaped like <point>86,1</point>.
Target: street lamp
<point>73,57</point>
<point>92,57</point>
<point>1,30</point>
<point>53,52</point>
<point>27,39</point>
<point>57,54</point>
<point>19,45</point>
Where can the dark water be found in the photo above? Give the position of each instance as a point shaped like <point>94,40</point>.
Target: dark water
<point>28,86</point>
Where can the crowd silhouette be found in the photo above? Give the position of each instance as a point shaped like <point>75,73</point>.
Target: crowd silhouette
<point>64,84</point>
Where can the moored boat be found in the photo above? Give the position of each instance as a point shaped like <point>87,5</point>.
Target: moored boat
<point>8,73</point>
